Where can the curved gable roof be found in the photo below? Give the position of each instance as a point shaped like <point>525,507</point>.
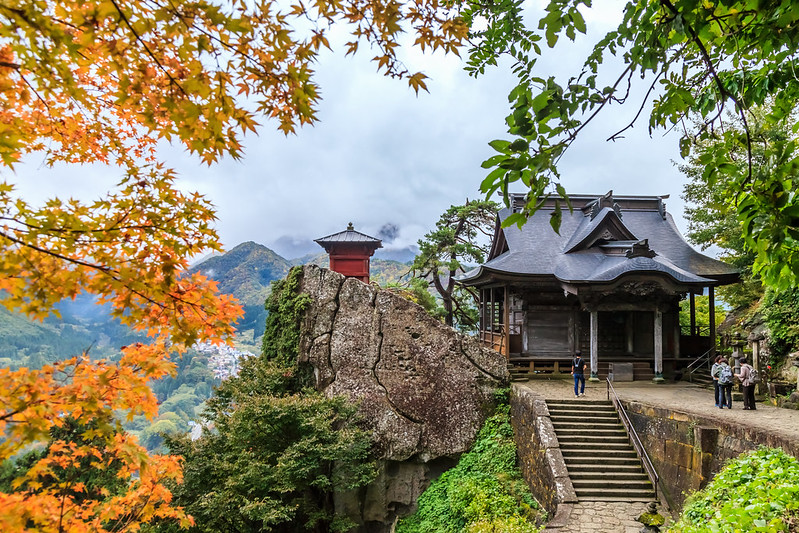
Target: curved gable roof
<point>578,254</point>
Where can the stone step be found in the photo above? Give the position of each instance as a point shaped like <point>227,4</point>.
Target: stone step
<point>609,477</point>
<point>579,401</point>
<point>593,433</point>
<point>583,417</point>
<point>598,449</point>
<point>595,455</point>
<point>631,468</point>
<point>587,422</point>
<point>584,426</point>
<point>621,497</point>
<point>583,413</point>
<point>611,484</point>
<point>609,430</point>
<point>582,441</point>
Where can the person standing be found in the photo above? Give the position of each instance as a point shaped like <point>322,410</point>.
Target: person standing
<point>578,371</point>
<point>714,374</point>
<point>725,379</point>
<point>745,375</point>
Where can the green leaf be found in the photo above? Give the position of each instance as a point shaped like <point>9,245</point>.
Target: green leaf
<point>500,146</point>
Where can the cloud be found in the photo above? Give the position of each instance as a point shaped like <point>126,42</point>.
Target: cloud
<point>383,157</point>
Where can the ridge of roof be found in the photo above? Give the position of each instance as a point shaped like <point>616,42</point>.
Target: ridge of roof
<point>536,250</point>
<point>349,235</point>
<point>592,229</point>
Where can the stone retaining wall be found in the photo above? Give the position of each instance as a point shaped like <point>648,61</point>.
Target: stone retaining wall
<point>539,454</point>
<point>688,450</point>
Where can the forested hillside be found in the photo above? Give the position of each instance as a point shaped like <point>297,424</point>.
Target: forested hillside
<point>246,272</point>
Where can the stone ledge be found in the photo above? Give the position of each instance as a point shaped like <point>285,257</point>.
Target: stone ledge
<point>561,518</point>
<point>535,429</point>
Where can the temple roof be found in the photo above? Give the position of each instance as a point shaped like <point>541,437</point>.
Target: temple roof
<point>349,236</point>
<point>603,239</point>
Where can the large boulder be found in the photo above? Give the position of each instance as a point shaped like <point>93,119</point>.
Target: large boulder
<point>423,388</point>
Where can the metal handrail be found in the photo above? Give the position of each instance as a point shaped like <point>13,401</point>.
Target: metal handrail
<point>636,441</point>
<point>705,357</point>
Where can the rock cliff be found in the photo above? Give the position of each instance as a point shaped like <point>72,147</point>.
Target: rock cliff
<point>424,388</point>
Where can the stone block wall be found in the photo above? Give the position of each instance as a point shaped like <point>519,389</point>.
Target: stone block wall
<point>540,458</point>
<point>688,450</point>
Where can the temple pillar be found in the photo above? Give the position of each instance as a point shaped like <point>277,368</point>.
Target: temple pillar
<point>711,301</point>
<point>594,346</point>
<point>658,347</point>
<point>693,313</point>
<point>506,323</point>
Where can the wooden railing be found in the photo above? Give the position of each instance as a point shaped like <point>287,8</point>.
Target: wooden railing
<point>634,439</point>
<point>493,340</point>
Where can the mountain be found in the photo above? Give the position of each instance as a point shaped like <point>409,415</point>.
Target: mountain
<point>246,272</point>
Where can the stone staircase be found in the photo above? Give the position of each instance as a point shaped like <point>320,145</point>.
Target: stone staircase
<point>701,376</point>
<point>601,462</point>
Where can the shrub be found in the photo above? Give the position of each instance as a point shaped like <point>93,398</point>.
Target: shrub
<point>484,493</point>
<point>758,491</point>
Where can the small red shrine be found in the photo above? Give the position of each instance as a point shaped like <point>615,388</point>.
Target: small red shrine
<point>350,251</point>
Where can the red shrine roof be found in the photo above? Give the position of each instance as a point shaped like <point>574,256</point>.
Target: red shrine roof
<point>349,236</point>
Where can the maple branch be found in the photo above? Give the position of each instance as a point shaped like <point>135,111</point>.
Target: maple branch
<point>68,259</point>
<point>147,48</point>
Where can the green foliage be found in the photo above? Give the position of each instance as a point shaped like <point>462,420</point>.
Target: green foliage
<point>286,308</point>
<point>695,61</point>
<point>713,221</point>
<point>758,491</point>
<point>462,236</point>
<point>417,290</point>
<point>485,492</point>
<point>702,310</point>
<point>273,451</point>
<point>274,456</point>
<point>781,313</point>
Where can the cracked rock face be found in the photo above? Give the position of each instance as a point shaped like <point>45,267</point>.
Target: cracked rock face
<point>422,386</point>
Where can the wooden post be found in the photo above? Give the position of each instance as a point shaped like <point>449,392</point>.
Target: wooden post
<point>759,387</point>
<point>693,313</point>
<point>658,347</point>
<point>594,346</point>
<point>711,300</point>
<point>506,317</point>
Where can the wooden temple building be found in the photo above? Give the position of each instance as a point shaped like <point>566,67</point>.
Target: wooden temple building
<point>350,252</point>
<point>608,285</point>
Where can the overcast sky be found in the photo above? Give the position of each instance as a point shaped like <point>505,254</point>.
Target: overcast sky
<point>381,156</point>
